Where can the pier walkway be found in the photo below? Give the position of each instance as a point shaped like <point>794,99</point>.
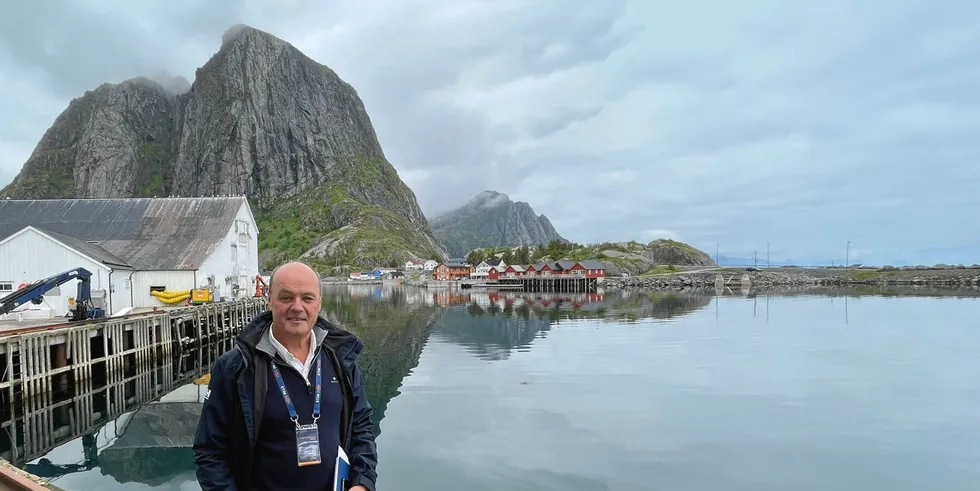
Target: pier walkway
<point>64,381</point>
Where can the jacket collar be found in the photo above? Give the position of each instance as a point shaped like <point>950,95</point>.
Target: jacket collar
<point>255,337</point>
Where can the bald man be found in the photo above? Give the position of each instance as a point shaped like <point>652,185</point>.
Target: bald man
<point>255,439</point>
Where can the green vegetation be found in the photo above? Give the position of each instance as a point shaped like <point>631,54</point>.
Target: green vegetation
<point>155,169</point>
<point>633,256</point>
<point>47,179</point>
<point>356,233</point>
<point>660,270</point>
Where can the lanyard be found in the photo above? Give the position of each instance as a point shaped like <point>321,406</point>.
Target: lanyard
<point>285,394</point>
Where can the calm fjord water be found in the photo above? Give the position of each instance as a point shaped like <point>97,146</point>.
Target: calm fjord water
<point>653,391</point>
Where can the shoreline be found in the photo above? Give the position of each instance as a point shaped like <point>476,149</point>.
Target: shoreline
<point>708,278</point>
<point>795,277</point>
<point>764,278</point>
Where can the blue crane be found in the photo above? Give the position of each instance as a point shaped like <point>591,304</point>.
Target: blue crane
<point>34,293</point>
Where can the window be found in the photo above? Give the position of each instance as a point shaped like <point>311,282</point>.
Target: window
<point>234,252</point>
<point>6,286</point>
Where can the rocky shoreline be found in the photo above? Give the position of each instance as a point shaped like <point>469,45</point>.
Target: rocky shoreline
<point>795,277</point>
<point>954,277</point>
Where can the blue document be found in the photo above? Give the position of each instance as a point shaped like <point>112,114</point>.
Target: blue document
<point>341,471</point>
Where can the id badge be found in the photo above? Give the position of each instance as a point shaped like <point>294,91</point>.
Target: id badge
<point>307,445</point>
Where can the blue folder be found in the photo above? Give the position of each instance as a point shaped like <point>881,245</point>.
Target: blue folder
<point>341,471</point>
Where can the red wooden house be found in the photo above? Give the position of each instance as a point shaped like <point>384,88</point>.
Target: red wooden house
<point>593,268</point>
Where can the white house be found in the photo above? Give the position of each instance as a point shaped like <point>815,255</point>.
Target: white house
<point>482,270</point>
<point>431,264</point>
<point>131,246</point>
<point>414,265</point>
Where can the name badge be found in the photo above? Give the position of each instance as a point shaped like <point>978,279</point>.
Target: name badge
<point>307,445</point>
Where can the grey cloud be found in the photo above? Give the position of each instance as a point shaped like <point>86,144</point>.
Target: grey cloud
<point>739,123</point>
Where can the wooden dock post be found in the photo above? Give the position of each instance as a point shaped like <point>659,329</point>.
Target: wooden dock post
<point>58,383</point>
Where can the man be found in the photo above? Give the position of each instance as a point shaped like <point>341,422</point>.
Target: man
<point>251,438</point>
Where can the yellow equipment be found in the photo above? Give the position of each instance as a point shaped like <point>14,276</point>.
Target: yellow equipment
<point>201,295</point>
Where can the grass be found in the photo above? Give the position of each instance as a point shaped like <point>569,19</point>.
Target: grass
<point>365,235</point>
<point>659,270</point>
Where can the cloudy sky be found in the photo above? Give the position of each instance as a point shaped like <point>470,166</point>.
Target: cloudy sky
<point>729,125</point>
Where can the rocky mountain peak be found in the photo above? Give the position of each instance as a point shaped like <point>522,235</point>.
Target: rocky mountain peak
<point>491,219</point>
<point>488,199</point>
<point>260,119</point>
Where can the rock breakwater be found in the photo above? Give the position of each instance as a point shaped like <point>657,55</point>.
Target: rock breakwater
<point>953,277</point>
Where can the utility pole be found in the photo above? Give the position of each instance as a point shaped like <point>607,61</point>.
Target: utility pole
<point>755,259</point>
<point>847,258</point>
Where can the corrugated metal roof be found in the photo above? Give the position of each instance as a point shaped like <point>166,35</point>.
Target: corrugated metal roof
<point>592,264</point>
<point>147,233</point>
<point>90,249</point>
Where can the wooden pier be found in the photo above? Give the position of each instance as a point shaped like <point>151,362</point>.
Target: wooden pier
<point>62,382</point>
<point>552,284</point>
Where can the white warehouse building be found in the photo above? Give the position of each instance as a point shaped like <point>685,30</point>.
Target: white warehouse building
<point>131,246</point>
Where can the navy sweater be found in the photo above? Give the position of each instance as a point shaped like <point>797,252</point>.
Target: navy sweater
<point>275,465</point>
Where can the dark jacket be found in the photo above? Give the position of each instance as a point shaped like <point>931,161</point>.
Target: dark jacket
<point>235,403</point>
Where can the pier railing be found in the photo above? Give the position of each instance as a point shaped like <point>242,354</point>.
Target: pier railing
<point>59,384</point>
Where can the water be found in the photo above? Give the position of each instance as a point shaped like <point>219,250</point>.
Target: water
<point>869,391</point>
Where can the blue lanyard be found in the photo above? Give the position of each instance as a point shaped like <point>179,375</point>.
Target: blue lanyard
<point>285,394</point>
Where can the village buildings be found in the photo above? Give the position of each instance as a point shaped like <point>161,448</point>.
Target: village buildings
<point>452,271</point>
<point>132,247</point>
<point>495,269</point>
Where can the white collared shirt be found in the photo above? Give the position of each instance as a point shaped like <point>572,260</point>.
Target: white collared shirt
<point>302,367</point>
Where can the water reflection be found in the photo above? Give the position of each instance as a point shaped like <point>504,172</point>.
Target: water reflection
<point>491,336</point>
<point>136,426</point>
<point>131,431</point>
<point>393,325</point>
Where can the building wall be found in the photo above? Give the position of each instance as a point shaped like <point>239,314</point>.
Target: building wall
<point>31,256</point>
<point>169,280</point>
<point>234,261</point>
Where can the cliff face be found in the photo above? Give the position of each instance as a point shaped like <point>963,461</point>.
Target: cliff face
<point>114,141</point>
<point>492,219</point>
<point>262,120</point>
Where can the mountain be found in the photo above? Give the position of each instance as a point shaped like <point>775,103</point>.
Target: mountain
<point>492,219</point>
<point>261,119</point>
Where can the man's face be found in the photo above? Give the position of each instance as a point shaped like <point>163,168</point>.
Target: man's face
<point>295,300</point>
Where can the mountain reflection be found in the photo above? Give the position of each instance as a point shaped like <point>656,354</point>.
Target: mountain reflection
<point>492,324</point>
<point>392,323</point>
<point>491,336</point>
<point>137,425</point>
<point>559,307</point>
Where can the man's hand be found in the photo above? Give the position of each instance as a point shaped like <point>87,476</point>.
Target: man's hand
<point>358,488</point>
